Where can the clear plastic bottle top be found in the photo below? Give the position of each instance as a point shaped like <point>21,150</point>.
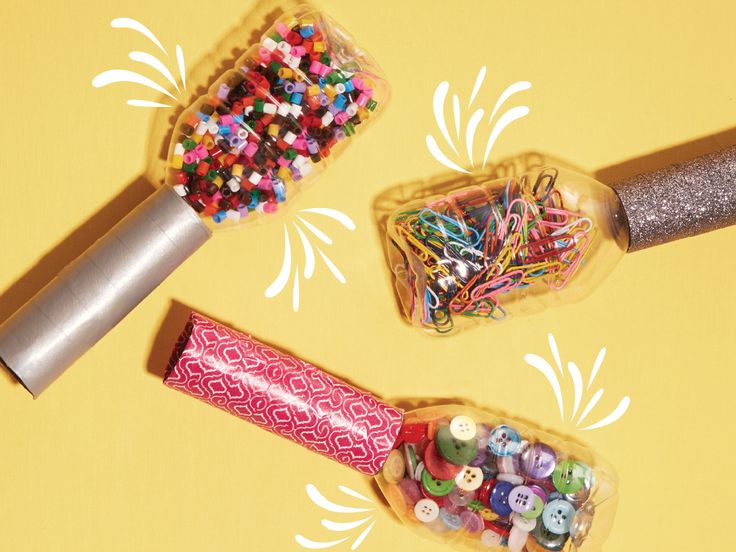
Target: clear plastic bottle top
<point>476,481</point>
<point>292,101</point>
<point>507,246</point>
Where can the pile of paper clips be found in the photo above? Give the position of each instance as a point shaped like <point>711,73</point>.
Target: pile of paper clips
<point>463,252</point>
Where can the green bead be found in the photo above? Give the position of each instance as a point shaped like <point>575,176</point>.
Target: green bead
<point>211,175</point>
<point>258,105</point>
<point>290,154</point>
<point>436,487</point>
<point>189,144</point>
<point>454,450</point>
<point>348,128</point>
<point>277,37</point>
<point>371,105</point>
<point>325,59</point>
<point>189,167</point>
<point>274,67</point>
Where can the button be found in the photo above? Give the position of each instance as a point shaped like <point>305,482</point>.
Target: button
<point>472,522</point>
<point>394,468</point>
<point>454,450</point>
<point>418,471</point>
<point>539,503</point>
<point>410,489</point>
<point>570,476</point>
<point>451,521</point>
<point>463,428</point>
<point>547,539</point>
<point>436,487</point>
<point>508,464</point>
<point>460,497</point>
<point>437,465</point>
<point>504,441</point>
<point>522,523</point>
<point>484,494</point>
<point>511,478</point>
<point>481,458</point>
<point>581,524</point>
<point>469,479</point>
<point>517,539</point>
<point>500,498</point>
<point>521,499</point>
<point>557,516</point>
<point>538,461</point>
<point>426,510</point>
<point>413,433</point>
<point>410,460</point>
<point>491,539</point>
<point>488,515</point>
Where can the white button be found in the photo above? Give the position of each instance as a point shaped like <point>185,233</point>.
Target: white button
<point>426,510</point>
<point>523,523</point>
<point>511,478</point>
<point>463,428</point>
<point>517,539</point>
<point>490,538</point>
<point>469,479</point>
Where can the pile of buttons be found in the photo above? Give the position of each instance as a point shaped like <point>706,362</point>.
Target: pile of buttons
<point>489,483</point>
<point>266,125</point>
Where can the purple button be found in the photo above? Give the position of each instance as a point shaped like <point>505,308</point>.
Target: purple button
<point>472,522</point>
<point>521,499</point>
<point>538,461</point>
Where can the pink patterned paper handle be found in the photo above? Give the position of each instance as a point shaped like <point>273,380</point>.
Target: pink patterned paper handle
<point>283,394</point>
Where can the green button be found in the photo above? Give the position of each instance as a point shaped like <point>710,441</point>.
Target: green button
<point>436,487</point>
<point>536,511</point>
<point>570,476</point>
<point>454,450</point>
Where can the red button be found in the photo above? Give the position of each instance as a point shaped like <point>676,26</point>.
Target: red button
<point>438,466</point>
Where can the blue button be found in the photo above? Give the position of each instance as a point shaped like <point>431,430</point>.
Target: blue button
<point>557,516</point>
<point>451,521</point>
<point>504,441</point>
<point>499,501</point>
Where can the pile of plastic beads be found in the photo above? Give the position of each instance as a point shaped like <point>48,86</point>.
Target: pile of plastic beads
<point>488,483</point>
<point>463,252</point>
<point>266,125</point>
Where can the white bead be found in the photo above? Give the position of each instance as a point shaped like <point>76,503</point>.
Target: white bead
<point>327,118</point>
<point>180,189</point>
<point>284,47</point>
<point>269,108</point>
<point>295,110</point>
<point>352,109</point>
<point>201,128</point>
<point>254,177</point>
<point>339,88</point>
<point>289,137</point>
<point>305,169</point>
<point>233,184</point>
<point>269,44</point>
<point>179,149</point>
<point>248,110</point>
<point>283,109</point>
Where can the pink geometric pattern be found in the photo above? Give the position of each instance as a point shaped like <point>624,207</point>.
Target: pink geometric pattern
<point>283,394</point>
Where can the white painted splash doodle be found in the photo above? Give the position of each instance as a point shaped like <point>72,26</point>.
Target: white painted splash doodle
<point>579,389</point>
<point>364,514</point>
<point>306,230</point>
<point>439,102</point>
<point>170,88</point>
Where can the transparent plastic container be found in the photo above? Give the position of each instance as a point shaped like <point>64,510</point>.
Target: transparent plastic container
<point>292,101</point>
<point>504,247</point>
<point>476,481</point>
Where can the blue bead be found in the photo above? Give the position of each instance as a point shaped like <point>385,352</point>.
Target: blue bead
<point>296,98</point>
<point>238,119</point>
<point>499,500</point>
<point>203,117</point>
<point>339,101</point>
<point>219,216</point>
<point>321,81</point>
<point>349,87</point>
<point>306,32</point>
<point>224,130</point>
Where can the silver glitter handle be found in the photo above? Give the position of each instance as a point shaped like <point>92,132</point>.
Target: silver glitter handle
<point>96,291</point>
<point>680,201</point>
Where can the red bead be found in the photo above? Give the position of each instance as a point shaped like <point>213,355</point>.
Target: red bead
<point>182,177</point>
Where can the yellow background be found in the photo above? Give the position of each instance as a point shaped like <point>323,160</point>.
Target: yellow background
<point>110,459</point>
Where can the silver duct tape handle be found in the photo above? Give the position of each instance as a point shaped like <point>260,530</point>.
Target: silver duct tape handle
<point>681,200</point>
<point>96,291</point>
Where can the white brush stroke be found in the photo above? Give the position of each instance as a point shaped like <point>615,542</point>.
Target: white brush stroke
<point>314,545</point>
<point>505,120</point>
<point>316,231</point>
<point>591,404</point>
<point>282,279</point>
<point>614,416</point>
<point>308,253</point>
<point>182,66</point>
<point>295,292</point>
<point>146,103</point>
<point>597,366</point>
<point>339,216</point>
<point>355,494</point>
<point>577,386</point>
<point>438,106</point>
<point>319,499</point>
<point>470,131</point>
<point>123,75</point>
<point>555,353</point>
<point>506,94</point>
<point>456,114</point>
<point>476,87</point>
<point>154,62</point>
<point>362,537</point>
<point>127,23</point>
<point>548,372</point>
<point>333,268</point>
<point>436,152</point>
<point>340,526</point>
